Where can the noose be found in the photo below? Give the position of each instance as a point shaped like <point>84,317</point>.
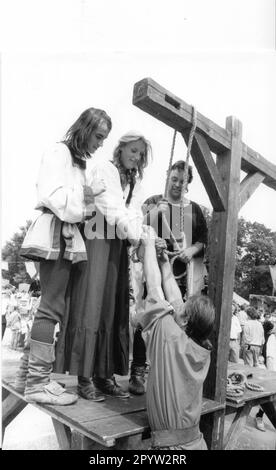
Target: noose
<point>134,256</point>
<point>178,250</point>
<point>186,171</point>
<point>175,254</point>
<point>164,220</point>
<point>170,165</point>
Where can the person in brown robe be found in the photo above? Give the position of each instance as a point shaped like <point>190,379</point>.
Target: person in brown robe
<point>94,343</point>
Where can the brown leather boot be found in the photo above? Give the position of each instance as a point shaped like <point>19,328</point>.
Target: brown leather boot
<point>137,380</point>
<point>21,374</point>
<point>39,389</point>
<point>110,387</point>
<point>87,390</point>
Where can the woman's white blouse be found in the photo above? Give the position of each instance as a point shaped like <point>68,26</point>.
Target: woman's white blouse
<point>112,202</point>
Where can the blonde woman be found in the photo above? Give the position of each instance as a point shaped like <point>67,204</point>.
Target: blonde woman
<point>96,339</point>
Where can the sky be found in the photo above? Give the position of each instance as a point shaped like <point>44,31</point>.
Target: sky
<point>60,57</point>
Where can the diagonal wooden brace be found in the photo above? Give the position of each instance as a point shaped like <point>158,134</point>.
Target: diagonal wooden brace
<point>208,171</point>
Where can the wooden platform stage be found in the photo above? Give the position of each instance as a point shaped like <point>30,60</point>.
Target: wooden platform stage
<point>122,423</point>
<point>115,423</point>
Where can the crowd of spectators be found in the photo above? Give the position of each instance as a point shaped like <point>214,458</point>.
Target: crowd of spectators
<point>18,308</point>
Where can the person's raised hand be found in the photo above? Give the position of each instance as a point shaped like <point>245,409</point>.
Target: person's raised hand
<point>98,187</point>
<point>162,206</point>
<point>161,247</point>
<point>187,254</point>
<point>88,195</point>
<point>89,192</point>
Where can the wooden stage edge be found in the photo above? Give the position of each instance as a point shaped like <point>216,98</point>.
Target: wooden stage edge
<point>109,424</point>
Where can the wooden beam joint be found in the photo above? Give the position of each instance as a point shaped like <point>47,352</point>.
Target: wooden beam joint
<point>208,171</point>
<point>248,185</point>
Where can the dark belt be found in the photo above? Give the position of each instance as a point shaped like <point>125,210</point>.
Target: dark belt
<point>45,210</point>
<point>174,437</point>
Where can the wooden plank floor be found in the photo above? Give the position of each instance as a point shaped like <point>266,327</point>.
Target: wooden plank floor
<point>103,422</point>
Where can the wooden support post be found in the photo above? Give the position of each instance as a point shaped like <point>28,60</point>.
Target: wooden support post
<point>63,434</point>
<point>212,426</point>
<point>12,406</point>
<point>5,393</point>
<point>236,427</point>
<point>222,270</point>
<point>81,442</point>
<point>269,408</point>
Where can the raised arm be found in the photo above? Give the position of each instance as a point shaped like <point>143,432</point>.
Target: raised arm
<point>169,284</point>
<point>151,269</point>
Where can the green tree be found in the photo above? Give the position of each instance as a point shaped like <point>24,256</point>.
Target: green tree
<point>17,271</point>
<point>256,250</point>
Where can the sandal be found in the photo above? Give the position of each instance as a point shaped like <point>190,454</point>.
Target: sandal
<point>87,390</point>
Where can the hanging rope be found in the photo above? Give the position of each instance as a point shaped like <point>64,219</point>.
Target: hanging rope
<point>170,165</point>
<point>178,250</point>
<point>186,171</point>
<point>164,220</point>
<point>185,189</point>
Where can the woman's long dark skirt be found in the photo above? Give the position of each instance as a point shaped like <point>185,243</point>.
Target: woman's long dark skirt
<point>94,337</point>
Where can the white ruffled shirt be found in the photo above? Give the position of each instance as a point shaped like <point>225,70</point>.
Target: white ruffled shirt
<point>112,202</point>
<point>60,184</point>
<point>60,189</point>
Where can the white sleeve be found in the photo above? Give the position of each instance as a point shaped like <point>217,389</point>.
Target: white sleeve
<point>247,334</point>
<point>56,187</point>
<point>271,348</point>
<point>239,328</point>
<point>111,203</point>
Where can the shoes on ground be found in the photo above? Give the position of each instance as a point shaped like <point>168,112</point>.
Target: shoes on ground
<point>110,387</point>
<point>89,392</point>
<point>260,424</point>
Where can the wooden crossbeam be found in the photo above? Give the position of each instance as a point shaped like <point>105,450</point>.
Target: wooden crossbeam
<point>168,108</point>
<point>208,171</point>
<point>248,185</point>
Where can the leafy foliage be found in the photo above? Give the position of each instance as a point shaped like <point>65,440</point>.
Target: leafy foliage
<point>256,250</point>
<point>17,271</point>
